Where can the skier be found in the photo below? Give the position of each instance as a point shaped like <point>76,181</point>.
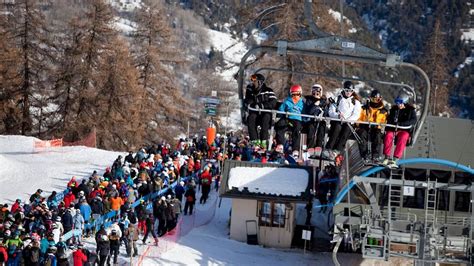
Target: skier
<point>316,105</point>
<point>346,107</point>
<point>293,104</point>
<point>373,111</point>
<point>402,114</point>
<point>258,95</point>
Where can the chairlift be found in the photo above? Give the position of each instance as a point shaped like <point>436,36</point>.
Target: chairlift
<point>337,48</point>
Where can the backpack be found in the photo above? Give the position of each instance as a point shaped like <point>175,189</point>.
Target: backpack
<point>35,256</point>
<point>339,98</point>
<point>11,249</point>
<point>48,261</point>
<point>189,198</point>
<point>61,253</point>
<point>132,217</point>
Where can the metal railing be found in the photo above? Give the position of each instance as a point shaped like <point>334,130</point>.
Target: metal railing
<point>328,119</point>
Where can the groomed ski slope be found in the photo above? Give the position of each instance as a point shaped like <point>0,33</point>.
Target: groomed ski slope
<point>22,172</point>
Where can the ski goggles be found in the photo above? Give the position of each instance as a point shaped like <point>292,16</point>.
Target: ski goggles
<point>296,94</point>
<point>375,99</point>
<point>348,90</point>
<point>253,77</point>
<point>399,101</point>
<point>316,89</point>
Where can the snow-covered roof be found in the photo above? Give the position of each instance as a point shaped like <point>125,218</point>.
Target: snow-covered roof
<point>269,180</point>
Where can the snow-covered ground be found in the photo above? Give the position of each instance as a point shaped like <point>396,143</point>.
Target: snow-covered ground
<point>203,238</point>
<point>22,171</point>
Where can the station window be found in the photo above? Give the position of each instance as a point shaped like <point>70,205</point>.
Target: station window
<point>463,200</point>
<point>271,214</point>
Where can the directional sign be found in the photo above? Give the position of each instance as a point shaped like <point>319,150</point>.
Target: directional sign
<point>211,111</point>
<point>210,105</point>
<point>210,100</point>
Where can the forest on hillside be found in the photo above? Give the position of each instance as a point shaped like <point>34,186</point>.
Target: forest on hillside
<point>67,69</point>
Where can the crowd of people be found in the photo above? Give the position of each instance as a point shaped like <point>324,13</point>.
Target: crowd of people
<point>345,114</point>
<point>49,230</point>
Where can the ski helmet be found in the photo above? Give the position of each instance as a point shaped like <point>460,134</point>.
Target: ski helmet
<point>402,99</point>
<point>258,77</point>
<point>317,87</point>
<point>375,96</point>
<point>296,89</point>
<point>348,85</point>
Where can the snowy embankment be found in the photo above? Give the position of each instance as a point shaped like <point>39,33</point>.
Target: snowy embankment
<point>23,171</point>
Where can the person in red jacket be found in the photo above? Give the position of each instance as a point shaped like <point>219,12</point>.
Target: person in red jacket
<point>79,257</point>
<point>15,206</point>
<point>69,198</point>
<point>72,182</point>
<point>3,253</point>
<point>206,181</point>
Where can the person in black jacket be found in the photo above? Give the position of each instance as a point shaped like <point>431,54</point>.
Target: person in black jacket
<point>103,249</point>
<point>402,114</point>
<point>129,158</point>
<point>114,246</point>
<point>150,229</point>
<point>316,105</point>
<point>67,221</point>
<point>190,197</point>
<point>258,95</point>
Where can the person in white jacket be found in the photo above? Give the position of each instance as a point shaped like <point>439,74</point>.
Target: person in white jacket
<point>347,106</point>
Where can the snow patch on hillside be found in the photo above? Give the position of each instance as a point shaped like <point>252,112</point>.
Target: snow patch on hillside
<point>124,25</point>
<point>232,49</point>
<point>126,5</point>
<point>467,35</point>
<point>337,16</point>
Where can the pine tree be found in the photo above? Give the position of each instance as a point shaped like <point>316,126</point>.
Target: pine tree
<point>156,54</point>
<point>118,102</point>
<point>434,63</point>
<point>28,33</point>
<point>82,69</point>
<point>10,116</point>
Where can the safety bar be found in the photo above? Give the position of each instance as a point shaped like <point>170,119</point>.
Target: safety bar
<point>320,118</point>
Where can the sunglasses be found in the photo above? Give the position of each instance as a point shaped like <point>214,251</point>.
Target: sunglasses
<point>296,94</point>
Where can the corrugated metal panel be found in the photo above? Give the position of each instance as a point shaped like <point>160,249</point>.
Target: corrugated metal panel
<point>445,138</point>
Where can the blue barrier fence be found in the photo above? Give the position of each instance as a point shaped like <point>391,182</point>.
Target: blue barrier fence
<point>106,219</point>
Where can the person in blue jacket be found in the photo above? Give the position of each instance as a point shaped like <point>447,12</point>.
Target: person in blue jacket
<point>292,104</point>
<point>86,211</point>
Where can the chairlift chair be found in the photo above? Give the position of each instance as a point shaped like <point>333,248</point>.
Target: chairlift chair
<point>337,48</point>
